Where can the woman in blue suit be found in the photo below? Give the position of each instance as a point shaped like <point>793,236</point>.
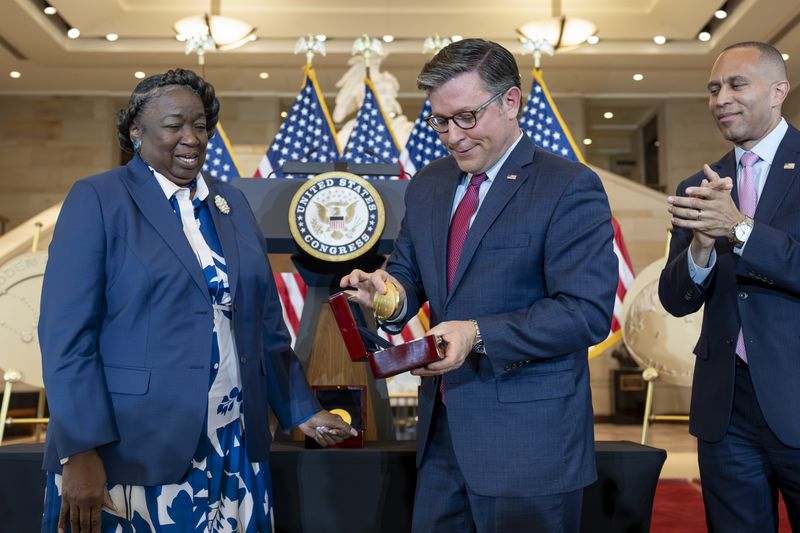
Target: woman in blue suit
<point>162,338</point>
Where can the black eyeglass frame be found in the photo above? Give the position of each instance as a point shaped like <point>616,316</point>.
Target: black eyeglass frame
<point>455,119</point>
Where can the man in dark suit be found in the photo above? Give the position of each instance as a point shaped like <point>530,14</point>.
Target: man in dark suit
<point>735,248</point>
<point>512,247</point>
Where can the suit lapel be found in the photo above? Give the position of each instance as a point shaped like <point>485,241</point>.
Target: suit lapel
<point>500,193</point>
<point>150,199</point>
<point>227,236</point>
<point>442,204</point>
<point>779,178</point>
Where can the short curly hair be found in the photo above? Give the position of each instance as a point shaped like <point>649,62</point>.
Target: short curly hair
<point>150,87</point>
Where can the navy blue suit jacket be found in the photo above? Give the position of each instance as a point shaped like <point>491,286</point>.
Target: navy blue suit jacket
<point>759,290</point>
<point>539,274</point>
<point>126,329</point>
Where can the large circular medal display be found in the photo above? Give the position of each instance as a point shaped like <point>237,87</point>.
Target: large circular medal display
<point>336,216</point>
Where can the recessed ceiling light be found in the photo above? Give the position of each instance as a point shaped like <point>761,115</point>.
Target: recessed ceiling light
<point>638,77</point>
<point>73,33</point>
<point>112,37</point>
<point>139,74</point>
<point>456,38</point>
<point>322,37</point>
<point>785,57</point>
<point>704,36</point>
<point>587,141</point>
<point>50,10</point>
<point>593,39</point>
<point>659,39</point>
<point>388,38</point>
<point>284,114</point>
<point>720,14</point>
<point>263,75</point>
<point>608,114</point>
<point>15,74</point>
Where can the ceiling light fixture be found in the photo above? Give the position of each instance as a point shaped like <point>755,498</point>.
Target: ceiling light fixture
<point>608,115</point>
<point>50,10</point>
<point>785,57</point>
<point>704,35</point>
<point>388,38</point>
<point>112,37</point>
<point>558,31</point>
<point>720,14</point>
<point>212,32</point>
<point>638,77</point>
<point>264,75</point>
<point>659,39</point>
<point>593,39</point>
<point>15,74</point>
<point>456,38</point>
<point>139,75</point>
<point>73,33</point>
<point>587,141</point>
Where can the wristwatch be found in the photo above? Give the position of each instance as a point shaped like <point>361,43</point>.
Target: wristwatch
<point>741,231</point>
<point>478,347</point>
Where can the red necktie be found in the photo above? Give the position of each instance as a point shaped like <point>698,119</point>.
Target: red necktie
<point>459,227</point>
<point>748,199</point>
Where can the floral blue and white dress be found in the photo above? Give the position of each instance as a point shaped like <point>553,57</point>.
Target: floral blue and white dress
<point>222,491</point>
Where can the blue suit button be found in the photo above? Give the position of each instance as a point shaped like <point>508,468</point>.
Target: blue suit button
<point>243,359</point>
<point>743,295</point>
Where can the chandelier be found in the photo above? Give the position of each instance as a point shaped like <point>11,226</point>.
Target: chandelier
<point>212,32</point>
<point>558,31</point>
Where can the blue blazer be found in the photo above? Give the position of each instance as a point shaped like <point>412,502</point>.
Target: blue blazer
<point>759,290</point>
<point>126,330</point>
<point>539,274</point>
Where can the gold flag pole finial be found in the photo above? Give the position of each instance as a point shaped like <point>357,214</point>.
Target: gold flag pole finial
<point>367,46</point>
<point>310,45</point>
<point>535,47</point>
<point>434,43</point>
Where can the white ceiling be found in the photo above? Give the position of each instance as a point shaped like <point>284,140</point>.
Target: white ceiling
<point>54,63</point>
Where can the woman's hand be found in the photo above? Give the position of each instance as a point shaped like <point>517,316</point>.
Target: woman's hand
<point>83,493</point>
<point>327,428</point>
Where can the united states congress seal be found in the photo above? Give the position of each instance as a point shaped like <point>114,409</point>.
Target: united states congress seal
<point>336,216</point>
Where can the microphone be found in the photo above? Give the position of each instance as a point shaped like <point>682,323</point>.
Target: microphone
<point>309,152</point>
<point>389,162</point>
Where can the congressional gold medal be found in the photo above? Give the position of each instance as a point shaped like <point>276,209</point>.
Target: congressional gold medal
<point>344,414</point>
<point>385,305</point>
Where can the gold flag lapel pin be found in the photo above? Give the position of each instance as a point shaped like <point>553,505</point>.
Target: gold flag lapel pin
<point>511,177</point>
<point>788,166</point>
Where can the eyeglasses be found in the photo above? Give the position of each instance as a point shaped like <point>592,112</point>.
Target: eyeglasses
<point>466,120</point>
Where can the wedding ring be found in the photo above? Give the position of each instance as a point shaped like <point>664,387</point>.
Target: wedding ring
<point>385,305</point>
<point>699,213</point>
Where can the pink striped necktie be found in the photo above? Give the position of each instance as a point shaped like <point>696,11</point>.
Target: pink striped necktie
<point>459,225</point>
<point>748,199</point>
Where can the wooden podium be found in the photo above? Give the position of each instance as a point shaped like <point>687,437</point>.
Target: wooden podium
<point>319,345</point>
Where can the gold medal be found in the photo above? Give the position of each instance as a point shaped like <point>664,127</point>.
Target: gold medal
<point>385,305</point>
<point>344,414</point>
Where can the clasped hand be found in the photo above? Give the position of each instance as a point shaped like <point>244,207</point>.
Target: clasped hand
<point>327,428</point>
<point>707,210</point>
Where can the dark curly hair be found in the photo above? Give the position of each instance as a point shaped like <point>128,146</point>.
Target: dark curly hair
<point>150,87</point>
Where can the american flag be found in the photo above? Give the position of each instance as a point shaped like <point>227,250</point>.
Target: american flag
<point>220,162</point>
<point>544,125</point>
<point>308,130</point>
<point>372,139</point>
<point>423,145</point>
<point>307,134</point>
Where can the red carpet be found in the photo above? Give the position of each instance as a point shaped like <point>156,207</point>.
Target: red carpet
<point>678,506</point>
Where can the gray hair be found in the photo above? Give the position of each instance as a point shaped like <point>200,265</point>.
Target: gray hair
<point>494,64</point>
